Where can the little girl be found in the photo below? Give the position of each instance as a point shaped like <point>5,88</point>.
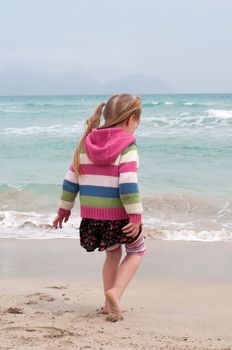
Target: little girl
<point>104,172</point>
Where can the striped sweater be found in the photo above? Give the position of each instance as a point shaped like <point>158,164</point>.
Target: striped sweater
<point>108,189</point>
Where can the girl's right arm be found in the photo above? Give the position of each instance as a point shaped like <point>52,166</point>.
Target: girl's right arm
<point>70,190</point>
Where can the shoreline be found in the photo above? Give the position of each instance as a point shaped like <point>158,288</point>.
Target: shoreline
<point>58,257</point>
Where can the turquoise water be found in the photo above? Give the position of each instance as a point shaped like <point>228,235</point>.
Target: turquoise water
<point>185,170</point>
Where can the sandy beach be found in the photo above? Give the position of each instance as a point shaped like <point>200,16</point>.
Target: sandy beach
<point>51,294</point>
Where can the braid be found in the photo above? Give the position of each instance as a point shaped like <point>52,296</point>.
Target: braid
<point>90,124</point>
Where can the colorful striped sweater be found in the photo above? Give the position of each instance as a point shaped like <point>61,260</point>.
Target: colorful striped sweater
<point>108,189</point>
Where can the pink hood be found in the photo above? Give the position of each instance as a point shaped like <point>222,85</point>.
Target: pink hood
<point>104,145</point>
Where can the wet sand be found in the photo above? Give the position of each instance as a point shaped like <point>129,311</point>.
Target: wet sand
<point>51,292</point>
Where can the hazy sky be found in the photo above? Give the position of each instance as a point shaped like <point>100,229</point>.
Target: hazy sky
<point>187,43</point>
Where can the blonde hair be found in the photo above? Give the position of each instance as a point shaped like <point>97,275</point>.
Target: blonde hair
<point>116,110</point>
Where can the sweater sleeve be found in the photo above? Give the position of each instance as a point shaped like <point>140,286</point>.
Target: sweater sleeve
<point>128,183</point>
<point>70,190</point>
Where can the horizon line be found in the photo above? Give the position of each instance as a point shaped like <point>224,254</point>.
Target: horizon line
<point>110,94</point>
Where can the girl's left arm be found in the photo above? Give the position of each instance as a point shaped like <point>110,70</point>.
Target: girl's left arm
<point>70,190</point>
<point>128,184</point>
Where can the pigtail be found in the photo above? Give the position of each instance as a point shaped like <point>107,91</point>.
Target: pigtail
<point>90,124</point>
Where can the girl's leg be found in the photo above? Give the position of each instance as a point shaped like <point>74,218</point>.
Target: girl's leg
<point>110,269</point>
<point>126,271</point>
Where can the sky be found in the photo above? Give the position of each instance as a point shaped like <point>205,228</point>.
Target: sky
<point>186,43</point>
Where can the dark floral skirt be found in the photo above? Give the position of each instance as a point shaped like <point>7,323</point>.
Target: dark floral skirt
<point>102,234</point>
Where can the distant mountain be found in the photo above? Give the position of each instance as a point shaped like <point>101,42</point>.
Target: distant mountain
<point>25,80</point>
<point>20,79</point>
<point>138,83</point>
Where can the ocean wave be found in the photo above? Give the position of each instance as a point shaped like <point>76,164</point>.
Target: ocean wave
<point>33,225</point>
<point>7,187</point>
<point>188,216</point>
<point>176,103</point>
<point>157,103</point>
<point>197,104</point>
<point>161,126</point>
<point>192,235</point>
<point>151,104</point>
<point>68,105</point>
<point>187,205</point>
<point>60,129</point>
<point>166,216</point>
<point>189,103</point>
<point>151,125</point>
<point>11,110</point>
<point>15,224</point>
<point>185,124</point>
<point>220,113</point>
<point>38,108</point>
<point>20,187</point>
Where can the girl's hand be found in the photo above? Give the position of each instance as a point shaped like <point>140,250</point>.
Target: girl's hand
<point>58,221</point>
<point>131,229</point>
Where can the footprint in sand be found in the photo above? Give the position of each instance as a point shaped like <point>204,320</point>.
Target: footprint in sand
<point>14,310</point>
<point>34,294</point>
<point>58,313</point>
<point>61,312</point>
<point>47,332</point>
<point>31,302</point>
<point>65,343</point>
<point>54,332</point>
<point>57,287</point>
<point>42,296</point>
<point>46,297</point>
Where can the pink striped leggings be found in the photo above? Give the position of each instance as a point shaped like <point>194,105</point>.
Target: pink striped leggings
<point>135,248</point>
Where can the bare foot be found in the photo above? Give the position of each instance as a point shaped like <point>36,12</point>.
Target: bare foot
<point>114,318</point>
<point>103,310</point>
<point>112,299</point>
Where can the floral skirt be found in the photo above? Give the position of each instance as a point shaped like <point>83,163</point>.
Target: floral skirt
<point>102,234</point>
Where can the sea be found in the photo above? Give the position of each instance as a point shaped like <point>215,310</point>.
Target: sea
<point>185,173</point>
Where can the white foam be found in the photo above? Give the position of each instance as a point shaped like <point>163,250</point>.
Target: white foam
<point>192,235</point>
<point>197,104</point>
<point>24,225</point>
<point>37,130</point>
<point>11,109</point>
<point>176,231</point>
<point>14,224</point>
<point>220,113</point>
